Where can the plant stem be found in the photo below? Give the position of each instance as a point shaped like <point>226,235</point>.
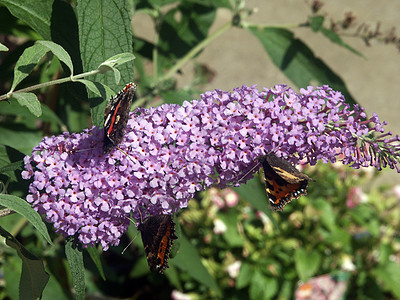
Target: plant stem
<point>49,83</point>
<point>195,51</point>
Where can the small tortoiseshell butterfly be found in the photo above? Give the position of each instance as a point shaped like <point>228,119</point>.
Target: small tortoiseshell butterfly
<point>158,235</point>
<point>116,116</point>
<point>282,180</point>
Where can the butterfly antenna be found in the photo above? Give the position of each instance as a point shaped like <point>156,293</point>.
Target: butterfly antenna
<point>131,220</point>
<point>129,157</point>
<point>242,176</point>
<point>130,243</point>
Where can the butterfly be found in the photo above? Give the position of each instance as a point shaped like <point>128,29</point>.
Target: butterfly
<point>158,235</point>
<point>116,116</point>
<point>282,180</point>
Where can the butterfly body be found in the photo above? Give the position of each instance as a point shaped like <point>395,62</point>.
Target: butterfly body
<point>116,117</point>
<point>283,181</point>
<point>158,235</point>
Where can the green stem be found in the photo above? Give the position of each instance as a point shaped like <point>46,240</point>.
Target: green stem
<point>195,51</point>
<point>49,83</point>
<point>262,26</point>
<point>155,59</point>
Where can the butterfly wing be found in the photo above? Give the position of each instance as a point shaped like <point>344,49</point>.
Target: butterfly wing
<point>116,117</point>
<point>158,235</point>
<point>283,181</point>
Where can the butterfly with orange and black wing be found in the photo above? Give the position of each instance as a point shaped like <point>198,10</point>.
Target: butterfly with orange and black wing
<point>282,180</point>
<point>116,117</point>
<point>158,235</point>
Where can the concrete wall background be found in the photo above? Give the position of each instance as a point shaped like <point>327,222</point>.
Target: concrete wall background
<point>238,58</point>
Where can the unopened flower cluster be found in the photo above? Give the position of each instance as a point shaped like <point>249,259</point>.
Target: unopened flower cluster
<point>171,151</point>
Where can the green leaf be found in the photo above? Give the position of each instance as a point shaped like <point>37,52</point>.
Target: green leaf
<point>189,260</point>
<point>3,47</point>
<point>25,117</point>
<point>307,263</point>
<point>231,235</point>
<point>36,14</point>
<point>12,167</point>
<point>10,161</point>
<point>102,90</point>
<point>104,31</point>
<point>50,116</point>
<point>385,250</point>
<point>245,275</point>
<point>33,276</point>
<point>23,208</point>
<point>335,38</point>
<point>297,61</point>
<point>177,97</point>
<point>366,216</point>
<point>13,134</point>
<point>75,262</point>
<point>111,64</point>
<point>253,192</point>
<point>98,88</point>
<point>327,213</point>
<point>117,60</point>
<point>27,62</point>
<point>94,254</point>
<point>12,273</point>
<point>58,51</point>
<point>316,23</point>
<point>179,35</point>
<point>262,287</point>
<point>30,101</point>
<point>389,277</point>
<point>54,290</point>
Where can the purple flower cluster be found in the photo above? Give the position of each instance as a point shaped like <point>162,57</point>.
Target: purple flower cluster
<point>171,151</point>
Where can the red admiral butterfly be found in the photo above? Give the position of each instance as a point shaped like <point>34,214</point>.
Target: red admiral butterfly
<point>116,116</point>
<point>282,180</point>
<point>158,235</point>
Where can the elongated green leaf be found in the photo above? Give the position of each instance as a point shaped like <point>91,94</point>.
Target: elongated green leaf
<point>33,276</point>
<point>189,260</point>
<point>3,47</point>
<point>389,276</point>
<point>335,38</point>
<point>111,64</point>
<point>10,161</point>
<point>24,209</point>
<point>98,88</point>
<point>117,60</point>
<point>75,262</point>
<point>327,213</point>
<point>104,31</point>
<point>11,167</point>
<point>54,290</point>
<point>36,14</point>
<point>179,35</point>
<point>27,62</point>
<point>26,117</point>
<point>30,101</point>
<point>231,235</point>
<point>58,51</point>
<point>307,262</point>
<point>244,277</point>
<point>262,287</point>
<point>296,60</point>
<point>12,135</point>
<point>256,196</point>
<point>316,23</point>
<point>94,254</point>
